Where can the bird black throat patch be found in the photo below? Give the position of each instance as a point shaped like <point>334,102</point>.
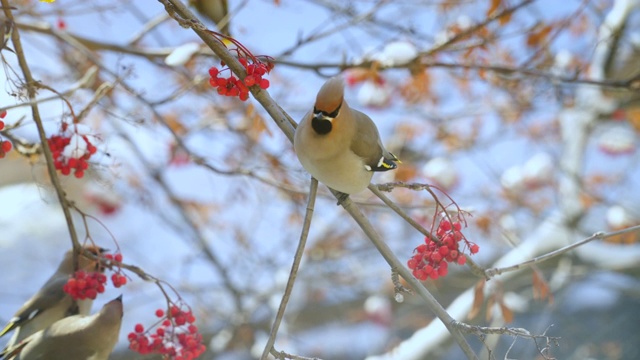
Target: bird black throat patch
<point>321,121</point>
<point>321,126</point>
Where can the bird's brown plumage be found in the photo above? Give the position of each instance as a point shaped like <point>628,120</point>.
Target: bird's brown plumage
<point>338,145</point>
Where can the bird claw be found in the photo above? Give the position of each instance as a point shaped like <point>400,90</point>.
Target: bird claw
<point>341,197</point>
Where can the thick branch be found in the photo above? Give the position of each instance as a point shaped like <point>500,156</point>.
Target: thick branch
<point>31,86</point>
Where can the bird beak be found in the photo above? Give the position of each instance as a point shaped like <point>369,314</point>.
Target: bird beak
<point>319,116</point>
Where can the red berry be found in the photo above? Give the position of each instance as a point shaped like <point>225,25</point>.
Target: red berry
<point>3,114</point>
<point>139,328</point>
<point>213,72</point>
<point>1,125</point>
<point>474,248</point>
<point>445,225</point>
<point>457,226</point>
<point>264,84</point>
<point>442,271</point>
<point>462,260</point>
<point>428,269</point>
<point>6,146</point>
<point>79,174</point>
<point>250,80</point>
<point>117,257</point>
<point>159,313</point>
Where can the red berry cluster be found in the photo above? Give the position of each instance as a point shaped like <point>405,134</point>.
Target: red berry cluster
<point>71,152</point>
<point>83,285</point>
<point>87,285</point>
<point>175,337</point>
<point>117,278</point>
<point>5,145</point>
<point>430,260</point>
<point>233,86</point>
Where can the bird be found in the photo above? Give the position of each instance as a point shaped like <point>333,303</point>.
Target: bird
<point>338,145</point>
<point>51,303</point>
<point>215,10</point>
<point>77,337</point>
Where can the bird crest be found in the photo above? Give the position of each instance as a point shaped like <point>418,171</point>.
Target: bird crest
<point>329,99</point>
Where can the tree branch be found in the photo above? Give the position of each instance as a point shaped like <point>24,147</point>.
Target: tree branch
<point>294,268</point>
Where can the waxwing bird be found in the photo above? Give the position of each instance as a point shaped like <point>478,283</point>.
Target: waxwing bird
<point>215,10</point>
<point>338,145</point>
<point>51,303</point>
<point>77,337</point>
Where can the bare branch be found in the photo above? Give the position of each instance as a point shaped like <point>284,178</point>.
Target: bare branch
<point>597,236</point>
<point>294,269</point>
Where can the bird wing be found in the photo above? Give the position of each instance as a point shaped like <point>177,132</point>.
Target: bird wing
<point>367,145</point>
<point>47,296</point>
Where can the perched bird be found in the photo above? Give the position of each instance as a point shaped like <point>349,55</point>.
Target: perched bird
<point>338,145</point>
<point>215,10</point>
<point>77,337</point>
<point>51,303</point>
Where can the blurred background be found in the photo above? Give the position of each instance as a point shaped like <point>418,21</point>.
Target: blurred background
<point>526,113</point>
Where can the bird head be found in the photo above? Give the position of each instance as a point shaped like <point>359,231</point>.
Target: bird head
<point>84,262</point>
<point>328,104</point>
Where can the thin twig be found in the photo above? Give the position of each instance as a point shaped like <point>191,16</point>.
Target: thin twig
<point>597,236</point>
<point>294,268</point>
<point>399,211</point>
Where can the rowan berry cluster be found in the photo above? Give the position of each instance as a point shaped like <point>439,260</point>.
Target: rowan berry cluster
<point>5,145</point>
<point>232,86</point>
<point>431,259</point>
<point>175,336</point>
<point>83,285</point>
<point>117,278</point>
<point>87,285</point>
<point>72,149</point>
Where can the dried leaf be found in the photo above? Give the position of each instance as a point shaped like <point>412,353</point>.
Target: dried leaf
<point>484,223</point>
<point>257,123</point>
<point>504,19</point>
<point>478,299</point>
<point>633,116</point>
<point>493,7</point>
<point>539,35</point>
<point>541,289</point>
<point>490,302</point>
<point>507,314</point>
<point>628,238</point>
<point>405,173</point>
<point>173,122</point>
<point>418,88</point>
